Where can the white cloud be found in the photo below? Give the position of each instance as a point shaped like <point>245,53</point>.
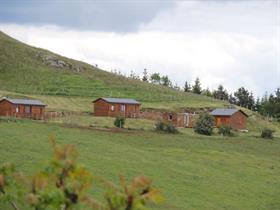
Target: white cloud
<point>219,42</point>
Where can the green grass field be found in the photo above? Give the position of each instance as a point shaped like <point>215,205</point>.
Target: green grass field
<point>192,171</point>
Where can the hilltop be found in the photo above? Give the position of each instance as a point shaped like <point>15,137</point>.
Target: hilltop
<point>34,72</point>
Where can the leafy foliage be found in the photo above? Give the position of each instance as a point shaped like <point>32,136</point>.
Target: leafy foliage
<point>204,124</point>
<point>155,78</point>
<point>10,189</point>
<point>267,133</point>
<point>225,130</point>
<point>119,121</point>
<point>133,195</point>
<point>166,127</point>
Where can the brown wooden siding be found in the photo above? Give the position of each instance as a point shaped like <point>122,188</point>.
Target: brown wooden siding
<point>9,109</point>
<point>237,121</point>
<point>103,108</point>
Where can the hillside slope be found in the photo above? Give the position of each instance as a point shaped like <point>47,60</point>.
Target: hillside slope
<point>29,70</point>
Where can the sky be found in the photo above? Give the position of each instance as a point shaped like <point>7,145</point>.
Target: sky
<point>230,42</point>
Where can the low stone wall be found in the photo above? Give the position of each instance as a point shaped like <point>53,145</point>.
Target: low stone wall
<point>177,119</point>
<point>151,115</point>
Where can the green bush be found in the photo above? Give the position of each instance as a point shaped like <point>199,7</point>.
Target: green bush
<point>119,121</point>
<point>204,124</point>
<point>166,127</point>
<point>267,133</point>
<point>225,130</point>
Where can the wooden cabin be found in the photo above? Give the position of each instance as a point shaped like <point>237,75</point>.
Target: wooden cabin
<point>112,107</point>
<point>24,108</point>
<point>235,118</point>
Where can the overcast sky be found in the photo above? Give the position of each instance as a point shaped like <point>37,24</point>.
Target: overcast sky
<point>231,42</point>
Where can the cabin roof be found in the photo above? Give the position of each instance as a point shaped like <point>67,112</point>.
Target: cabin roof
<point>25,101</point>
<point>119,100</point>
<point>226,112</point>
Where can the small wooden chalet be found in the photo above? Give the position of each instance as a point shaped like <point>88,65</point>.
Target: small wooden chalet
<point>112,107</point>
<point>235,118</point>
<point>25,108</point>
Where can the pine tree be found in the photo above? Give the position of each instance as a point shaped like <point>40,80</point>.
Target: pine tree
<point>231,99</point>
<point>221,93</point>
<point>187,87</point>
<point>242,97</point>
<point>145,76</point>
<point>197,86</point>
<point>207,92</point>
<point>165,81</point>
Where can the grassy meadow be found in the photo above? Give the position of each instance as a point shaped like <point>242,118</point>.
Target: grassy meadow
<point>192,171</point>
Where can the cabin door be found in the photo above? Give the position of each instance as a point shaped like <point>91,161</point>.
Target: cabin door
<point>123,109</point>
<point>218,121</point>
<point>27,110</point>
<point>187,120</point>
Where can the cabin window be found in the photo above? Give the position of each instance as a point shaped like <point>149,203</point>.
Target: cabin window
<point>17,109</point>
<point>27,109</point>
<point>123,108</point>
<point>112,108</point>
<point>170,117</point>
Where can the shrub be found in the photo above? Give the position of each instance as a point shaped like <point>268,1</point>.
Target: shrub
<point>225,130</point>
<point>119,121</point>
<point>204,124</point>
<point>267,133</point>
<point>166,127</point>
<point>160,126</point>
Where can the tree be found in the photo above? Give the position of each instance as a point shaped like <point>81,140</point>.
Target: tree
<point>277,95</point>
<point>220,93</point>
<point>145,76</point>
<point>251,101</point>
<point>155,78</point>
<point>165,81</point>
<point>242,97</point>
<point>231,99</point>
<point>197,86</point>
<point>207,92</point>
<point>176,86</point>
<point>257,106</point>
<point>270,105</point>
<point>187,87</point>
<point>205,124</point>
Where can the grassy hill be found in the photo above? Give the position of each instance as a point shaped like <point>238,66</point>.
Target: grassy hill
<point>37,73</point>
<point>192,171</point>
